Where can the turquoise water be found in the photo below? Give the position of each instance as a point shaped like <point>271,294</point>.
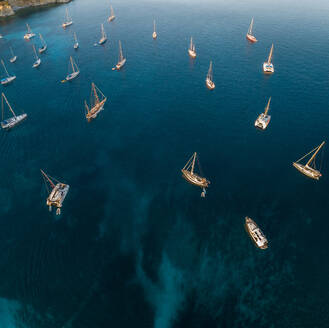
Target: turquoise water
<point>135,244</point>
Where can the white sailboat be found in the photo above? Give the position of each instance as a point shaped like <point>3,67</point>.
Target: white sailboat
<point>307,169</point>
<point>191,49</point>
<point>10,122</point>
<point>68,20</point>
<point>103,39</point>
<point>154,35</point>
<point>57,192</point>
<point>255,233</point>
<point>37,59</point>
<point>263,119</point>
<point>121,61</point>
<point>29,35</point>
<point>97,103</point>
<point>250,37</point>
<point>75,70</point>
<point>209,79</point>
<point>112,16</point>
<point>13,56</point>
<point>44,45</point>
<point>9,78</point>
<point>268,67</point>
<point>76,43</point>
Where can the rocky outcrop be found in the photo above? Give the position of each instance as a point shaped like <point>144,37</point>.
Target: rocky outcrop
<point>9,7</point>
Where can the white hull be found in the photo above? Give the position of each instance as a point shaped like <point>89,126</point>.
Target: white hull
<point>120,64</point>
<point>210,84</point>
<point>67,24</point>
<point>111,18</point>
<point>13,59</point>
<point>262,121</point>
<point>154,35</point>
<point>255,234</point>
<point>13,121</point>
<point>308,171</point>
<point>102,41</point>
<point>72,76</point>
<point>76,45</point>
<point>29,36</point>
<point>95,113</point>
<point>42,50</point>
<point>57,196</point>
<point>37,63</point>
<point>7,80</point>
<point>268,68</point>
<point>192,53</point>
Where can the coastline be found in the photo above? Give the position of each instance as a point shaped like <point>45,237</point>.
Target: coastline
<point>10,7</point>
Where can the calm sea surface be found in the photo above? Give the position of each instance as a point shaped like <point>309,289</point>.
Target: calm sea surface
<point>135,245</point>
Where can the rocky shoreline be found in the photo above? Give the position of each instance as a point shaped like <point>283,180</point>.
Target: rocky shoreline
<point>9,7</point>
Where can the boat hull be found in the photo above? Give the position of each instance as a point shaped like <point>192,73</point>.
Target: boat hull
<point>111,18</point>
<point>255,233</point>
<point>210,84</point>
<point>12,121</point>
<point>29,36</point>
<point>120,64</point>
<point>251,38</point>
<point>192,53</point>
<point>195,179</point>
<point>13,59</point>
<point>57,195</point>
<point>268,68</point>
<point>76,46</point>
<point>8,80</point>
<point>308,171</point>
<point>154,35</point>
<point>262,121</point>
<point>42,50</point>
<point>102,41</point>
<point>64,25</point>
<point>37,63</point>
<point>72,76</point>
<point>95,110</point>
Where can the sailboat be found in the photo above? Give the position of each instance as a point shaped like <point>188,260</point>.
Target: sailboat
<point>256,235</point>
<point>57,192</point>
<point>68,20</point>
<point>96,104</point>
<point>192,177</point>
<point>307,169</point>
<point>209,79</point>
<point>268,67</point>
<point>13,57</point>
<point>249,35</point>
<point>9,78</point>
<point>263,119</point>
<point>121,60</point>
<point>37,59</point>
<point>103,39</point>
<point>76,43</point>
<point>75,70</point>
<point>154,35</point>
<point>112,16</point>
<point>29,33</point>
<point>191,49</point>
<point>44,45</point>
<point>10,122</point>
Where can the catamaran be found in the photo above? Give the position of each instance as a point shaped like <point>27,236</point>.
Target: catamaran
<point>37,59</point>
<point>268,67</point>
<point>121,61</point>
<point>10,122</point>
<point>13,57</point>
<point>154,35</point>
<point>9,78</point>
<point>57,192</point>
<point>263,119</point>
<point>209,79</point>
<point>97,103</point>
<point>307,169</point>
<point>29,35</point>
<point>192,177</point>
<point>76,43</point>
<point>44,45</point>
<point>112,16</point>
<point>256,235</point>
<point>68,20</point>
<point>75,70</point>
<point>249,35</point>
<point>191,49</point>
<point>103,39</point>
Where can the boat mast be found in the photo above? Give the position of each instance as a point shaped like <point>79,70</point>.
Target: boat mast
<point>267,106</point>
<point>95,93</point>
<point>120,52</point>
<point>209,76</point>
<point>12,52</point>
<point>4,97</point>
<point>4,66</point>
<point>250,27</point>
<point>42,40</point>
<point>154,31</point>
<point>71,60</point>
<point>28,28</point>
<point>35,53</point>
<point>67,15</point>
<point>103,32</point>
<point>112,11</point>
<point>193,163</point>
<point>270,55</point>
<point>75,37</point>
<point>46,176</point>
<point>313,156</point>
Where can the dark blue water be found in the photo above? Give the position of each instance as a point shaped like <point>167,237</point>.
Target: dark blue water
<point>135,245</point>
